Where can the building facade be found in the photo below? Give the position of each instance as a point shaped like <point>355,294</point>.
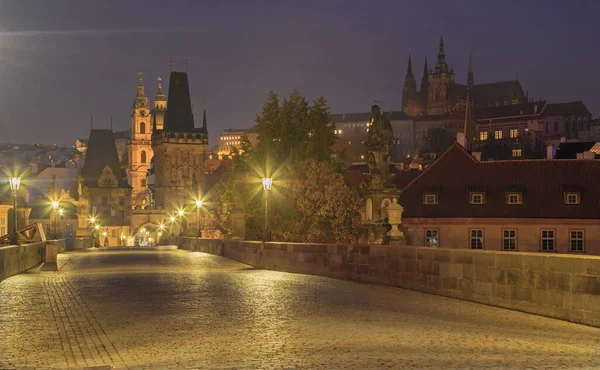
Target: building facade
<point>232,138</point>
<point>528,206</point>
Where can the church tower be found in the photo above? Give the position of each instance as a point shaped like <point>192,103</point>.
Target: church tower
<point>439,84</point>
<point>425,84</point>
<point>179,149</point>
<point>409,92</point>
<point>160,107</point>
<point>140,149</point>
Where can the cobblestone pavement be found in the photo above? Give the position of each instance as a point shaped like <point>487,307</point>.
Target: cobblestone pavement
<point>177,309</point>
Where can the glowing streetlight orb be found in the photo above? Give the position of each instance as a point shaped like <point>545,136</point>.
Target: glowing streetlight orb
<point>180,212</point>
<point>198,203</point>
<point>61,211</point>
<point>97,227</point>
<point>267,183</point>
<point>55,204</point>
<point>92,220</point>
<point>172,219</point>
<point>104,234</point>
<point>15,183</point>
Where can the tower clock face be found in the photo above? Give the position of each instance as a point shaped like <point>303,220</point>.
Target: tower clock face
<point>142,113</point>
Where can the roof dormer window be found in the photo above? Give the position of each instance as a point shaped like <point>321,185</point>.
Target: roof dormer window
<point>514,198</point>
<point>430,198</point>
<point>572,198</point>
<point>476,198</point>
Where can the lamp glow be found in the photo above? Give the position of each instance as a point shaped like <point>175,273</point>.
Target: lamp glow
<point>267,183</point>
<point>15,183</point>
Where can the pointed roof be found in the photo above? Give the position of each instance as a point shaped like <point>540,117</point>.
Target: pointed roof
<point>441,65</point>
<point>425,70</point>
<point>204,126</point>
<point>470,80</point>
<point>101,152</point>
<point>179,117</point>
<point>141,100</point>
<point>409,71</point>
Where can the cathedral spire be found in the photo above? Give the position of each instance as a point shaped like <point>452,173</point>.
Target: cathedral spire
<point>441,65</point>
<point>160,95</point>
<point>204,125</point>
<point>470,80</point>
<point>409,71</point>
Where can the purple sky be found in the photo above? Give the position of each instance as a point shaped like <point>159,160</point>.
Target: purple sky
<point>62,60</point>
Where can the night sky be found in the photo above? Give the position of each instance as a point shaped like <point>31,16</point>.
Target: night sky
<point>62,60</point>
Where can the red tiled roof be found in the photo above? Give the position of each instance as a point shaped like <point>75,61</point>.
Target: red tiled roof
<point>542,182</point>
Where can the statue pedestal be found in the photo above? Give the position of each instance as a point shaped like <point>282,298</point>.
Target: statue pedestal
<point>395,211</point>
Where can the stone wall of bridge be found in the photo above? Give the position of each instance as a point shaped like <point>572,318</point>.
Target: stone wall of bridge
<point>561,286</point>
<point>15,259</point>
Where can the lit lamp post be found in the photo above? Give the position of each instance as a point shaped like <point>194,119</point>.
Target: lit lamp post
<point>15,182</point>
<point>97,228</point>
<point>182,224</point>
<point>161,229</point>
<point>104,235</point>
<point>172,220</point>
<point>267,183</point>
<point>198,226</point>
<point>61,213</point>
<point>55,208</point>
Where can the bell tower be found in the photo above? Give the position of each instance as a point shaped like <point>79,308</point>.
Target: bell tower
<point>140,149</point>
<point>439,84</point>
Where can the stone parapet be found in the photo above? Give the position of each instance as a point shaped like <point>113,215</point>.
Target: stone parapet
<point>15,259</point>
<point>561,286</point>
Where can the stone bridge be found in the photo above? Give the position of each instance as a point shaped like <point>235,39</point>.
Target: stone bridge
<point>170,308</point>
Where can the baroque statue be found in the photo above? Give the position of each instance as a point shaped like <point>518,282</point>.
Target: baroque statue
<point>379,146</point>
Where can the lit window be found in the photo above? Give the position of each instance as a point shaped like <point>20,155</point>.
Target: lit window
<point>114,233</point>
<point>514,133</point>
<point>477,239</point>
<point>514,198</point>
<point>516,152</point>
<point>432,237</point>
<point>576,241</point>
<point>509,240</point>
<point>547,240</point>
<point>498,134</point>
<point>572,198</point>
<point>476,198</point>
<point>430,198</point>
<point>483,136</point>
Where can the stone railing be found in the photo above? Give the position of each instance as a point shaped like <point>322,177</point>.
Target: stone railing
<point>15,259</point>
<point>555,285</point>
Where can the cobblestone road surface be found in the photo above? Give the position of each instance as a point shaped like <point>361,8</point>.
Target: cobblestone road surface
<point>176,309</point>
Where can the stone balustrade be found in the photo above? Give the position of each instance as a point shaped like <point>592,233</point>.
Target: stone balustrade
<point>561,286</point>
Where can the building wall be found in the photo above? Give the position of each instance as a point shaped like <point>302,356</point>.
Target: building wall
<point>230,139</point>
<point>556,285</point>
<point>178,164</point>
<point>455,233</point>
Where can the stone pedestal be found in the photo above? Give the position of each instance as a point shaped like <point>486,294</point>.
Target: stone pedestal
<point>51,253</point>
<point>396,234</point>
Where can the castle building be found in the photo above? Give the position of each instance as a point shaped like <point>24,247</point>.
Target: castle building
<point>439,93</point>
<point>179,148</point>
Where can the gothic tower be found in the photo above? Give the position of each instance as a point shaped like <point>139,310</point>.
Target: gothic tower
<point>140,149</point>
<point>439,84</point>
<point>179,149</point>
<point>409,92</point>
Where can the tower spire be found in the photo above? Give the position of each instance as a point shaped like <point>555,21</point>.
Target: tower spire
<point>171,64</point>
<point>470,80</point>
<point>409,71</point>
<point>185,65</point>
<point>140,88</point>
<point>441,65</point>
<point>204,125</point>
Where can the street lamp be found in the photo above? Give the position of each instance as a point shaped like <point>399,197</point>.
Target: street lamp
<point>55,208</point>
<point>267,184</point>
<point>15,183</point>
<point>61,213</point>
<point>198,226</point>
<point>172,219</point>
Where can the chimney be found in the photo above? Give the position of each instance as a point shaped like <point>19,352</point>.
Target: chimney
<point>588,155</point>
<point>550,151</point>
<point>477,155</point>
<point>462,139</point>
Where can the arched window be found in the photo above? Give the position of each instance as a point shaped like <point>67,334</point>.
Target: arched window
<point>143,183</point>
<point>143,155</point>
<point>369,210</point>
<point>142,128</point>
